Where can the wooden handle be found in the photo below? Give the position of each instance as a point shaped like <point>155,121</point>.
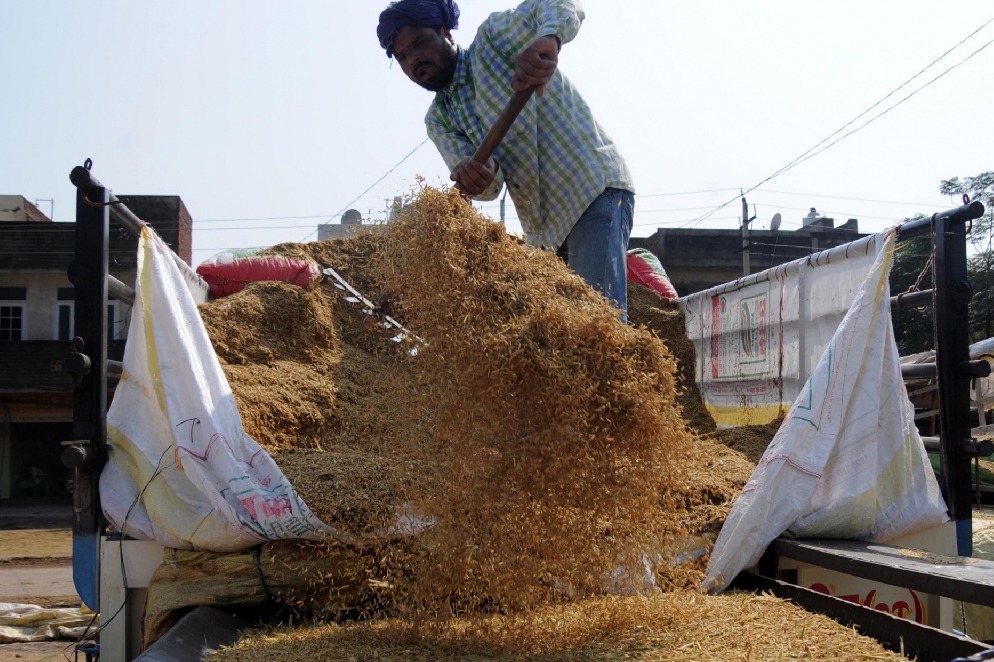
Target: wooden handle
<point>501,126</point>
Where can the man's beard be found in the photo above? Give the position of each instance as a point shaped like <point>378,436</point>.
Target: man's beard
<point>443,77</point>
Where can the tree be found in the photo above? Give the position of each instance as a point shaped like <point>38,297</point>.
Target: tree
<point>913,329</point>
<point>981,262</point>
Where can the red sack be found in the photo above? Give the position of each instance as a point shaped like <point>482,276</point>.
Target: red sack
<point>644,268</point>
<point>227,273</point>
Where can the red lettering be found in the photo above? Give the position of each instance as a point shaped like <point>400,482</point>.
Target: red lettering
<point>276,507</point>
<point>901,609</point>
<point>249,505</point>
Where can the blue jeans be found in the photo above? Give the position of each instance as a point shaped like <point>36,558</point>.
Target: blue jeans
<point>596,246</point>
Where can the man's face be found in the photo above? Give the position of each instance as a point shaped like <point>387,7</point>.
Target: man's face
<point>427,56</point>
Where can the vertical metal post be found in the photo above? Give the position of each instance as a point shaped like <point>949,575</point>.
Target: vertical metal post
<point>88,273</point>
<point>951,298</point>
<point>746,267</point>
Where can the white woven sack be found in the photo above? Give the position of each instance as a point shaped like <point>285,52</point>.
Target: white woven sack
<point>847,462</point>
<point>181,471</point>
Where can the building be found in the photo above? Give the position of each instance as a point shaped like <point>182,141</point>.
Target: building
<point>696,260</point>
<point>352,222</point>
<point>36,329</point>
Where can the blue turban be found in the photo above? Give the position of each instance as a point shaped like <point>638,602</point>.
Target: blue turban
<point>416,13</point>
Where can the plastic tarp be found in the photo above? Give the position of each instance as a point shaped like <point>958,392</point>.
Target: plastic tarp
<point>181,471</point>
<point>645,269</point>
<point>28,623</point>
<point>757,339</point>
<point>847,462</point>
<point>228,272</point>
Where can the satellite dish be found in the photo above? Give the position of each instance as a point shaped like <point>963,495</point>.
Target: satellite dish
<point>775,223</point>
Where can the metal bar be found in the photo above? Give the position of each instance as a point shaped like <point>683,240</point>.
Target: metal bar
<point>970,580</point>
<point>952,347</point>
<point>911,300</point>
<point>967,370</point>
<point>120,291</point>
<point>973,448</point>
<point>854,248</point>
<point>85,182</point>
<point>918,370</point>
<point>967,212</point>
<point>913,640</point>
<point>88,273</point>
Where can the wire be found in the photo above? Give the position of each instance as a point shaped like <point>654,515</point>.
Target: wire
<point>840,197</point>
<point>881,114</point>
<point>811,151</point>
<point>48,227</point>
<point>385,175</point>
<point>159,469</point>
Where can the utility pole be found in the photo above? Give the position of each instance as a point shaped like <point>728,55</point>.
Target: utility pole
<point>745,236</point>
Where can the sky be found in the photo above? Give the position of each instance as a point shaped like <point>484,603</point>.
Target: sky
<point>269,118</point>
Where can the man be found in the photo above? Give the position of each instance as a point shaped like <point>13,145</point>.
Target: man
<point>570,186</point>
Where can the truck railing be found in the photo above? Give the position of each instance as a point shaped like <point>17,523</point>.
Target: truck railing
<point>90,367</point>
<point>959,577</point>
<point>953,368</point>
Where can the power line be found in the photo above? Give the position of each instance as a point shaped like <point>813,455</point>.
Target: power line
<point>881,114</point>
<point>841,197</point>
<point>811,151</point>
<point>385,175</point>
<point>248,219</point>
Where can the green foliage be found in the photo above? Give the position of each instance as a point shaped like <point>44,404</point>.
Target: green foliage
<point>979,188</point>
<point>981,261</point>
<point>913,329</point>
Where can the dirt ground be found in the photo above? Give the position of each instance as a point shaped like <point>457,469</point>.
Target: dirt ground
<point>30,542</point>
<point>35,546</point>
<point>38,651</point>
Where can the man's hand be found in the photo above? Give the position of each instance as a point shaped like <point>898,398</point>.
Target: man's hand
<point>472,177</point>
<point>536,64</point>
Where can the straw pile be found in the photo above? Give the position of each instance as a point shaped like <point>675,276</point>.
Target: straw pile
<point>670,627</point>
<point>555,452</point>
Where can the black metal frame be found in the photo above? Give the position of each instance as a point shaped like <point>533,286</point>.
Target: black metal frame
<point>88,364</point>
<point>950,300</point>
<point>86,452</point>
<point>913,640</point>
<point>953,370</point>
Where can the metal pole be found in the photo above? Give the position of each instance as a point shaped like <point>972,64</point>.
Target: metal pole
<point>745,237</point>
<point>88,273</point>
<point>952,348</point>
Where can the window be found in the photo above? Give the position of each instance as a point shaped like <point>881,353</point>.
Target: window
<point>12,312</point>
<point>65,322</point>
<point>11,321</point>
<point>64,318</point>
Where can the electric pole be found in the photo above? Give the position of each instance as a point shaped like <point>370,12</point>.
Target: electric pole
<point>745,236</point>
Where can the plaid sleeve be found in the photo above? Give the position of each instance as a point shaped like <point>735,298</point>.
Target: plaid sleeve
<point>559,17</point>
<point>455,146</point>
<point>512,31</point>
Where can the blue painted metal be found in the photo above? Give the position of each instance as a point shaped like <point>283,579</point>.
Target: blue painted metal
<point>86,568</point>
